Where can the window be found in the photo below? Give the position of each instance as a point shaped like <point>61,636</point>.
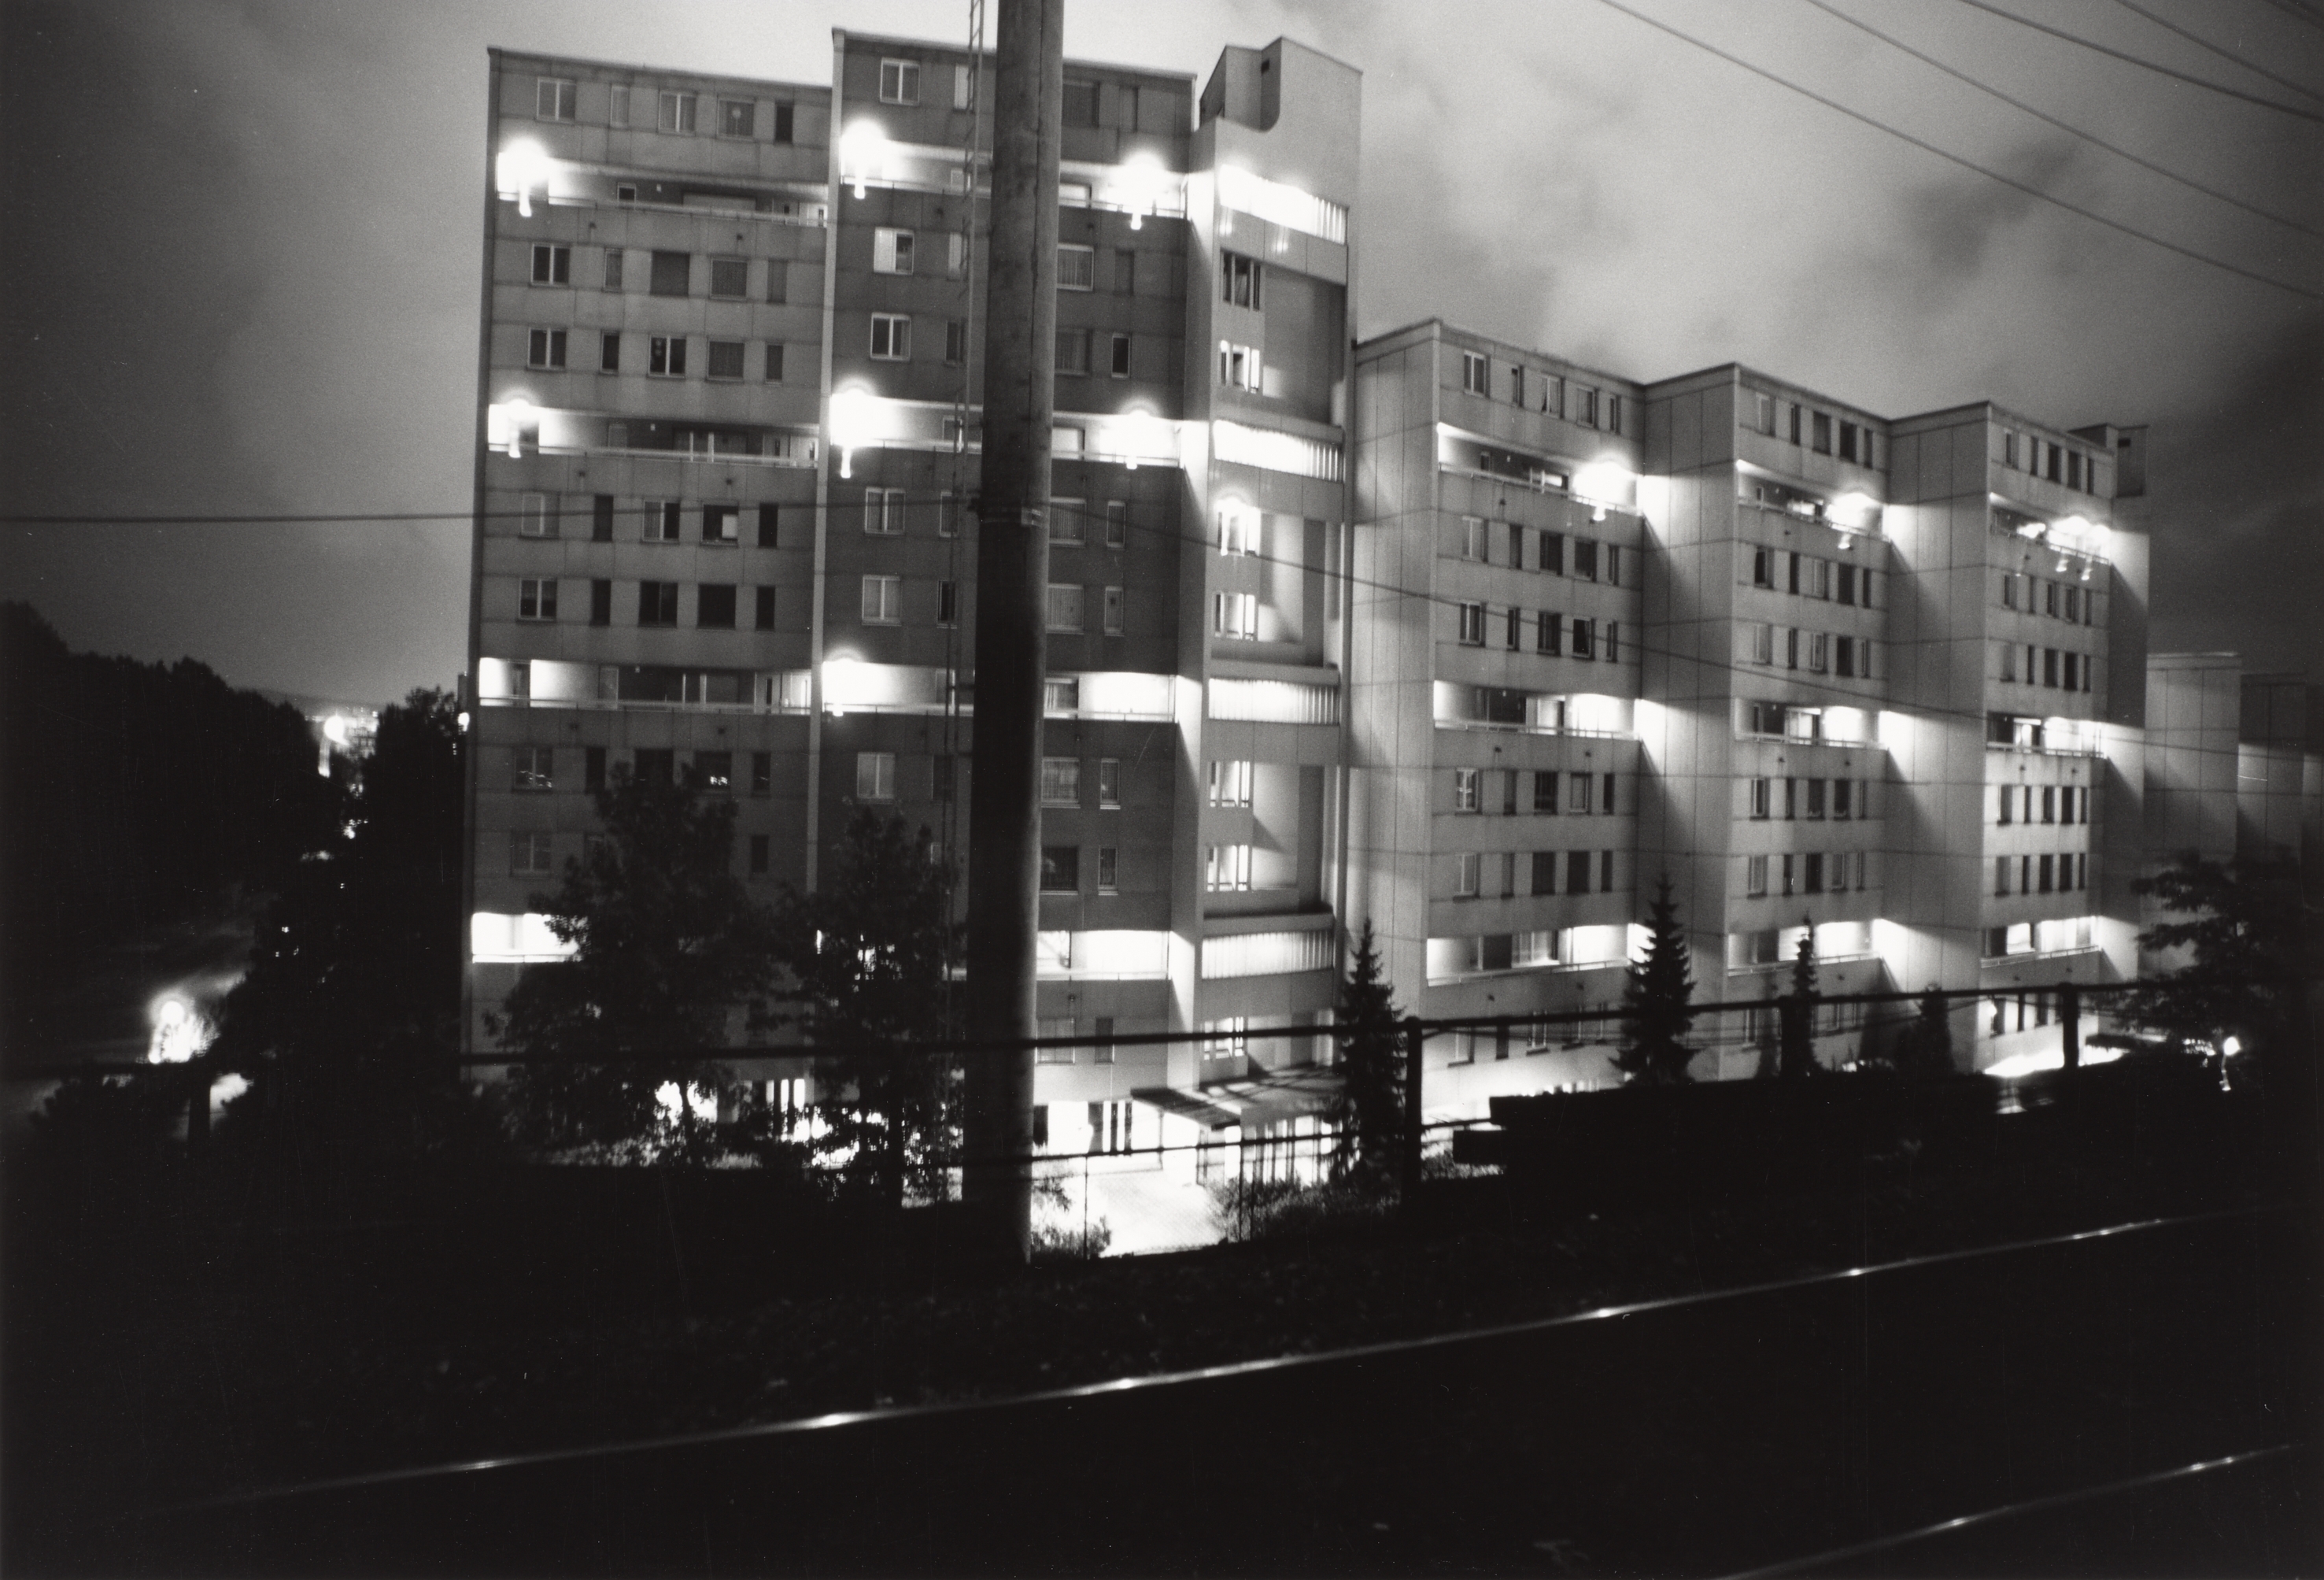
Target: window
<point>661,519</point>
<point>956,342</point>
<point>1226,868</point>
<point>1230,782</point>
<point>1073,352</point>
<point>1237,530</point>
<point>1476,375</point>
<point>1544,792</point>
<point>1762,798</point>
<point>715,771</point>
<point>1755,867</point>
<point>672,273</point>
<point>730,277</point>
<point>891,338</point>
<point>1584,638</point>
<point>654,765</point>
<point>535,769</point>
<point>1467,874</point>
<point>1235,617</point>
<point>763,608</point>
<point>1549,633</point>
<point>552,98</point>
<point>1606,803</point>
<point>1819,652</point>
<point>883,512</point>
<point>1241,278</point>
<point>609,352</point>
<point>657,603</point>
<point>551,265</point>
<point>1577,871</point>
<point>947,603</point>
<point>774,362</point>
<point>1464,789</point>
<point>899,82</point>
<point>1238,366</point>
<point>1117,522</point>
<point>1108,870</point>
<point>1822,432</point>
<point>1583,407</point>
<point>537,516</point>
<point>1077,267</point>
<point>1113,612</point>
<point>1109,781</point>
<point>1585,558</point>
<point>528,855</point>
<point>875,776</point>
<point>1763,420</point>
<point>2046,871</point>
<point>891,251</point>
<point>1080,103</point>
<point>1763,568</point>
<point>535,600</point>
<point>2000,876</point>
<point>545,349</point>
<point>2049,667</point>
<point>1472,538</point>
<point>714,607</point>
<point>1061,695</point>
<point>1577,800</point>
<point>1063,607</point>
<point>882,600</point>
<point>726,359</point>
<point>676,112</point>
<point>1515,624</point>
<point>1472,624</point>
<point>666,356</point>
<point>601,603</point>
<point>1061,782</point>
<point>1815,799</point>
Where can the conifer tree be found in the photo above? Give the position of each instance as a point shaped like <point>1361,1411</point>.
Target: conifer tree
<point>1796,1055</point>
<point>1369,1113</point>
<point>1656,1000</point>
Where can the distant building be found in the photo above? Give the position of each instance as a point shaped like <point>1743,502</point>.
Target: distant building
<point>1461,637</point>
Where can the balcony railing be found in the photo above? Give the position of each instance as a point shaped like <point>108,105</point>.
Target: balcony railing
<point>812,217</point>
<point>2032,750</point>
<point>1521,729</point>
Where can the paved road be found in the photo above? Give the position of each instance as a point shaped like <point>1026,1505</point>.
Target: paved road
<point>1709,1438</point>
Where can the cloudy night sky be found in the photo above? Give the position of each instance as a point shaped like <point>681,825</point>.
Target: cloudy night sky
<point>245,252</point>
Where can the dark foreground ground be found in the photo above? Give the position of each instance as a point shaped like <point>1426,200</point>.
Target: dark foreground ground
<point>181,1363</point>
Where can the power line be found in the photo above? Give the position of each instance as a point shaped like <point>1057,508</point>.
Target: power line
<point>2096,48</point>
<point>2228,55</point>
<point>2297,13</point>
<point>1969,164</point>
<point>2071,130</point>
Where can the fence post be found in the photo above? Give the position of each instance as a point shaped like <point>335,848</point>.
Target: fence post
<point>1413,1044</point>
<point>2069,1023</point>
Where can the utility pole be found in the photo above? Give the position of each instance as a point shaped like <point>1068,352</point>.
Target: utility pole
<point>1012,574</point>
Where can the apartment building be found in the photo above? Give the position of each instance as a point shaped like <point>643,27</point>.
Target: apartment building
<point>725,451</point>
<point>1879,678</point>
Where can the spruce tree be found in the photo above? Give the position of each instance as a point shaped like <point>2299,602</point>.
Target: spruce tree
<point>1369,1113</point>
<point>1796,1055</point>
<point>1656,1000</point>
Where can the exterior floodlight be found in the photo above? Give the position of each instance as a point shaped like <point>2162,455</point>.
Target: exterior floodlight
<point>522,166</point>
<point>2231,1046</point>
<point>520,411</point>
<point>850,425</point>
<point>862,146</point>
<point>1606,481</point>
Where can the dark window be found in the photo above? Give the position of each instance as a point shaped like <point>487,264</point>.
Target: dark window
<point>1763,568</point>
<point>2050,666</point>
<point>1607,803</point>
<point>1847,584</point>
<point>1513,635</point>
<point>715,607</point>
<point>767,516</point>
<point>1120,366</point>
<point>762,772</point>
<point>1822,431</point>
<point>1081,103</point>
<point>666,356</point>
<point>671,270</point>
<point>1549,632</point>
<point>1585,634</point>
<point>1585,558</point>
<point>1544,792</point>
<point>1544,871</point>
<point>609,352</point>
<point>1814,883</point>
<point>729,276</point>
<point>1240,280</point>
<point>783,123</point>
<point>774,362</point>
<point>1125,272</point>
<point>763,598</point>
<point>600,519</point>
<point>1577,871</point>
<point>657,603</point>
<point>1060,869</point>
<point>592,768</point>
<point>1847,441</point>
<point>601,603</point>
<point>726,359</point>
<point>551,265</point>
<point>1552,554</point>
<point>719,523</point>
<point>779,281</point>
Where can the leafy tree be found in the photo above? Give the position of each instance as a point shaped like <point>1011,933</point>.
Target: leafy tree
<point>2241,929</point>
<point>865,962</point>
<point>1657,1001</point>
<point>667,944</point>
<point>353,988</point>
<point>1368,1110</point>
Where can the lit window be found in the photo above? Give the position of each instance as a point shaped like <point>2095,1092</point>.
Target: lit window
<point>891,251</point>
<point>882,600</point>
<point>676,112</point>
<point>1077,267</point>
<point>1063,607</point>
<point>535,600</point>
<point>875,776</point>
<point>1238,366</point>
<point>552,98</point>
<point>1230,782</point>
<point>899,82</point>
<point>1226,868</point>
<point>891,338</point>
<point>1240,279</point>
<point>1235,617</point>
<point>551,265</point>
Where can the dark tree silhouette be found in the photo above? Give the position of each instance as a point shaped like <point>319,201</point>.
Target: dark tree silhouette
<point>1795,1055</point>
<point>2241,926</point>
<point>1657,1006</point>
<point>1368,1109</point>
<point>669,948</point>
<point>864,961</point>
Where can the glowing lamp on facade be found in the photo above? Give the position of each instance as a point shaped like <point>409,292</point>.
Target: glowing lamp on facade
<point>864,147</point>
<point>1852,512</point>
<point>1604,483</point>
<point>851,424</point>
<point>519,413</point>
<point>521,167</point>
<point>1136,185</point>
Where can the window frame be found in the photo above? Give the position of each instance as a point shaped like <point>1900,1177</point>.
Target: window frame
<point>904,76</point>
<point>881,600</point>
<point>562,94</point>
<point>897,338</point>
